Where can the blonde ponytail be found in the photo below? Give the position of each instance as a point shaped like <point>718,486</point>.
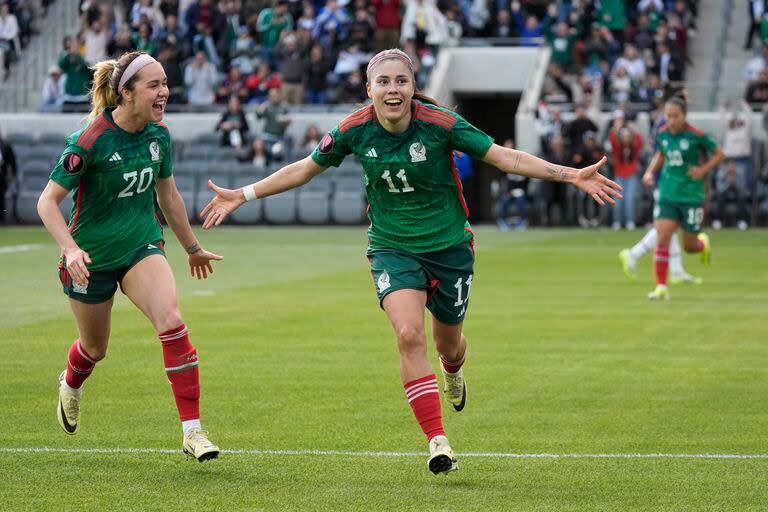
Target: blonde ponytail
<point>106,78</point>
<point>103,93</point>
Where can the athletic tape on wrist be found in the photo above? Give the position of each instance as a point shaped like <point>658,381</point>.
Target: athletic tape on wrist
<point>249,193</point>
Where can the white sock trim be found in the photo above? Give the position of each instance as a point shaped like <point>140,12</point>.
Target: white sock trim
<point>190,424</point>
<point>77,391</point>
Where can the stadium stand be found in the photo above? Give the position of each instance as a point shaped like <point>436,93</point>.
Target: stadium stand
<point>610,59</point>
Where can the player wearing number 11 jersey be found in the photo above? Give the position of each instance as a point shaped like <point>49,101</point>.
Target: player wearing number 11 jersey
<point>681,191</point>
<point>114,166</point>
<point>420,244</point>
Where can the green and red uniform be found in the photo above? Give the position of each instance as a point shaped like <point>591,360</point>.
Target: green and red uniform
<point>419,235</point>
<point>112,174</point>
<point>681,197</point>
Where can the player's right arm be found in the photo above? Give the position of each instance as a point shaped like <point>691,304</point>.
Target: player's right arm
<point>48,209</point>
<point>228,200</point>
<point>657,162</point>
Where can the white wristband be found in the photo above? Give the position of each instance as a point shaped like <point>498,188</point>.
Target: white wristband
<point>249,193</point>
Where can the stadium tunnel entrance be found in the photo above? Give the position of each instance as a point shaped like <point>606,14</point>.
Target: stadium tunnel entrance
<point>494,113</point>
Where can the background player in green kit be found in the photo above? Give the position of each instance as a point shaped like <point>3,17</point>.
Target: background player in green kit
<point>420,246</point>
<point>681,190</point>
<point>114,166</point>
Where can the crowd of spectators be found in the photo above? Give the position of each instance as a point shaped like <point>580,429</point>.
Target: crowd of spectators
<point>18,23</point>
<point>235,56</point>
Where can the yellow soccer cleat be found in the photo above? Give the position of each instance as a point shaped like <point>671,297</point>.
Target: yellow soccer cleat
<point>197,445</point>
<point>660,293</point>
<point>441,457</point>
<point>706,252</point>
<point>627,264</point>
<point>68,408</point>
<point>685,278</point>
<point>455,389</point>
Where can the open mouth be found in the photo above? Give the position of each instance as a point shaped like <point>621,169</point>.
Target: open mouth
<point>393,103</point>
<point>158,107</point>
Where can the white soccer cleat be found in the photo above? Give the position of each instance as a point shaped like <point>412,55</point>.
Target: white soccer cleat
<point>455,389</point>
<point>68,408</point>
<point>197,445</point>
<point>660,293</point>
<point>441,457</point>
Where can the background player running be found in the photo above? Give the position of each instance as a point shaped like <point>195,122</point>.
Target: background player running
<point>681,189</point>
<point>421,245</point>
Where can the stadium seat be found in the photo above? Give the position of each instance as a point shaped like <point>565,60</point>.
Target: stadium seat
<point>57,138</point>
<point>33,178</point>
<point>251,212</point>
<point>280,208</point>
<point>211,138</point>
<point>196,153</point>
<point>314,205</point>
<point>186,181</point>
<point>348,203</point>
<point>221,175</point>
<point>15,138</point>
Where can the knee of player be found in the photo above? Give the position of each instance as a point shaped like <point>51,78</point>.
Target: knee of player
<point>96,351</point>
<point>169,319</point>
<point>411,338</point>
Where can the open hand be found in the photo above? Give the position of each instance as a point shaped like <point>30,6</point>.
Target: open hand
<point>225,202</point>
<point>200,263</point>
<point>596,185</point>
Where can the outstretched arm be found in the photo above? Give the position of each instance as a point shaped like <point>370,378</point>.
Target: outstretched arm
<point>587,179</point>
<point>227,200</point>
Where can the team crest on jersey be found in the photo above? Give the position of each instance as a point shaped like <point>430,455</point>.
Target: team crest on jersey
<point>418,152</point>
<point>383,282</point>
<point>684,144</point>
<point>154,150</point>
<point>326,144</point>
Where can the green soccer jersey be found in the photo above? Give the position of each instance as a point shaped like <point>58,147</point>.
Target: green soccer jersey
<point>680,152</point>
<point>413,187</point>
<point>112,176</point>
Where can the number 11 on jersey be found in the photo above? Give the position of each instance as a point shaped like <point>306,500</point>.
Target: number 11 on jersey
<point>401,175</point>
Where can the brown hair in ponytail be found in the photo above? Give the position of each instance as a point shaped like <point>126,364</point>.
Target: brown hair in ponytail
<point>106,78</point>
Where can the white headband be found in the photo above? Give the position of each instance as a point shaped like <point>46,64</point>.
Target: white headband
<point>133,68</point>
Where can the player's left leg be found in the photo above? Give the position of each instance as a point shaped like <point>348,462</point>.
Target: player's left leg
<point>677,273</point>
<point>451,345</point>
<point>665,227</point>
<point>151,286</point>
<point>698,243</point>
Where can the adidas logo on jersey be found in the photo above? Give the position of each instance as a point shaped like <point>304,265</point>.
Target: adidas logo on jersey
<point>115,157</point>
<point>372,153</point>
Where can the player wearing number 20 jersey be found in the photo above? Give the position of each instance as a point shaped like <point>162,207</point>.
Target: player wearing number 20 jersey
<point>413,187</point>
<point>112,175</point>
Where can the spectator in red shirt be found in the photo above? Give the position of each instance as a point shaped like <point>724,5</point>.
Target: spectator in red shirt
<point>626,150</point>
<point>388,23</point>
<point>261,82</point>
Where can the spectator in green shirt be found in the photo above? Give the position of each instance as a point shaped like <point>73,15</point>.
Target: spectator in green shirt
<point>271,22</point>
<point>561,40</point>
<point>78,75</point>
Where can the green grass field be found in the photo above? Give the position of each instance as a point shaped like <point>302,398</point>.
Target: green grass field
<point>566,358</point>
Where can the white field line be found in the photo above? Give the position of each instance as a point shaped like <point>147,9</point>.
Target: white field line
<point>342,453</point>
<point>10,249</point>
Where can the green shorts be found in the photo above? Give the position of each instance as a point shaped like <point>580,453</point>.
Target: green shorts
<point>102,284</point>
<point>446,276</point>
<point>689,215</point>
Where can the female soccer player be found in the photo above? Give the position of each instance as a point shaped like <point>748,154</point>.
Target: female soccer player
<point>421,249</point>
<point>114,166</point>
<point>681,188</point>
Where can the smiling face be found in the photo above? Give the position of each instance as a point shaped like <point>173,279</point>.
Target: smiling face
<point>148,98</point>
<point>391,87</point>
